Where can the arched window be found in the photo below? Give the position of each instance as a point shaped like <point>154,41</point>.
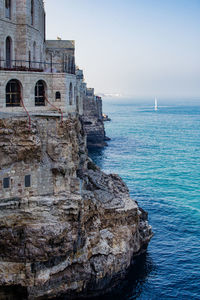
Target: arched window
<point>58,96</point>
<point>8,52</point>
<point>40,93</point>
<point>70,94</point>
<point>13,93</point>
<point>32,12</point>
<point>77,103</point>
<point>8,9</point>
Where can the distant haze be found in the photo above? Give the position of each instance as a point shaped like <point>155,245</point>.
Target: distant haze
<point>136,48</point>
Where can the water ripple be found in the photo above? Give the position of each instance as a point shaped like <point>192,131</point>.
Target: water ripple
<point>158,156</point>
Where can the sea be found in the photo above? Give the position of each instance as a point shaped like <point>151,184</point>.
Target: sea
<point>157,153</point>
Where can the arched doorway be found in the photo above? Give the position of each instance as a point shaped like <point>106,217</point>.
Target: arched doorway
<point>70,94</point>
<point>8,52</point>
<point>40,93</point>
<point>13,93</point>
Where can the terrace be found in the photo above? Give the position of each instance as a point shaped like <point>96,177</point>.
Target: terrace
<point>36,66</point>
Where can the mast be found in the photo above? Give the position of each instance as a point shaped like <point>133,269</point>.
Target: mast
<point>156,104</point>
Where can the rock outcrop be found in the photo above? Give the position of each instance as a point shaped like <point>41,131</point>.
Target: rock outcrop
<point>92,120</point>
<point>75,228</point>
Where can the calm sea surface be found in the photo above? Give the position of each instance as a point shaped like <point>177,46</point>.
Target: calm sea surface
<point>158,156</point>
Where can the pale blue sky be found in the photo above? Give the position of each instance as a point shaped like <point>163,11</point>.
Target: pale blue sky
<point>139,48</point>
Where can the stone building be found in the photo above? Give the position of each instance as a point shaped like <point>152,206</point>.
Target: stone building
<point>36,75</point>
<point>38,78</point>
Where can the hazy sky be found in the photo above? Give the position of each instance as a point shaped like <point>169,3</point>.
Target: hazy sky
<point>133,47</point>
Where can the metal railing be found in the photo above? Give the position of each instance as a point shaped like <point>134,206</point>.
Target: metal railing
<point>36,66</point>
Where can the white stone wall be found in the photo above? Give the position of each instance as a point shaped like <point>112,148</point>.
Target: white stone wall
<point>70,79</point>
<point>61,54</point>
<point>7,28</point>
<point>81,90</point>
<point>55,82</point>
<point>25,38</point>
<point>79,96</point>
<point>35,33</point>
<point>41,180</point>
<point>21,31</point>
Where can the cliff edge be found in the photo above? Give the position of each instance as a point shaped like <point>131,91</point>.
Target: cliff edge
<point>65,226</point>
<point>92,120</point>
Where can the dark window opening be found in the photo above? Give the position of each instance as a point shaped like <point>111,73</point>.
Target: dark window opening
<point>6,182</point>
<point>8,52</point>
<point>29,58</point>
<point>8,9</point>
<point>58,96</point>
<point>27,180</point>
<point>77,103</point>
<point>40,93</point>
<point>70,94</point>
<point>13,93</point>
<point>34,52</point>
<point>32,12</point>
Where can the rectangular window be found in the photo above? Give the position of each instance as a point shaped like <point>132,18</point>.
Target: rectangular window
<point>8,9</point>
<point>6,183</point>
<point>32,12</point>
<point>27,180</point>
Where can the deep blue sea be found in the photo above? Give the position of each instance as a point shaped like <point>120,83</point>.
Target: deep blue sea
<point>158,156</point>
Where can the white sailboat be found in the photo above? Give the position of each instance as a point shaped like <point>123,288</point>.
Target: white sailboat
<point>156,104</point>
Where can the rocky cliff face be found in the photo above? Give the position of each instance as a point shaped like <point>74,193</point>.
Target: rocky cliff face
<point>93,122</point>
<point>75,228</point>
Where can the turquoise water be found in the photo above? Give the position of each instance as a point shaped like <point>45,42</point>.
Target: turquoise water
<point>158,156</point>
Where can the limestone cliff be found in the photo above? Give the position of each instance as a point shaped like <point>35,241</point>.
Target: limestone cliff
<point>75,228</point>
<point>92,121</point>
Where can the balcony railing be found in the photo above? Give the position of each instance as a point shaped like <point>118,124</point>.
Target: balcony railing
<point>35,66</point>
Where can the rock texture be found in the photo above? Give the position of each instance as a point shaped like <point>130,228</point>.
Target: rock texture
<point>77,234</point>
<point>92,121</point>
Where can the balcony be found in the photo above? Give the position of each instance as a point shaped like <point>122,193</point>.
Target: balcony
<point>35,66</point>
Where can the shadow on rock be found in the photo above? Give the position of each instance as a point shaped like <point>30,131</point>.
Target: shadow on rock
<point>132,285</point>
<point>13,293</point>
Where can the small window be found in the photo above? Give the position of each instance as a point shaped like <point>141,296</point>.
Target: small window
<point>8,9</point>
<point>6,183</point>
<point>58,96</point>
<point>32,12</point>
<point>70,94</point>
<point>27,180</point>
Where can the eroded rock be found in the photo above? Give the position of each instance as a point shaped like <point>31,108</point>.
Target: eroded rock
<point>75,228</point>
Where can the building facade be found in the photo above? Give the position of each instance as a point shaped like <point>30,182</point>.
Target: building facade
<point>36,75</point>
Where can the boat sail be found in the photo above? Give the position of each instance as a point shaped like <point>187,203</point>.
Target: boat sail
<point>156,104</point>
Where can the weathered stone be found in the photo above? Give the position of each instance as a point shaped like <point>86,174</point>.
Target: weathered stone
<point>75,228</point>
<point>92,119</point>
